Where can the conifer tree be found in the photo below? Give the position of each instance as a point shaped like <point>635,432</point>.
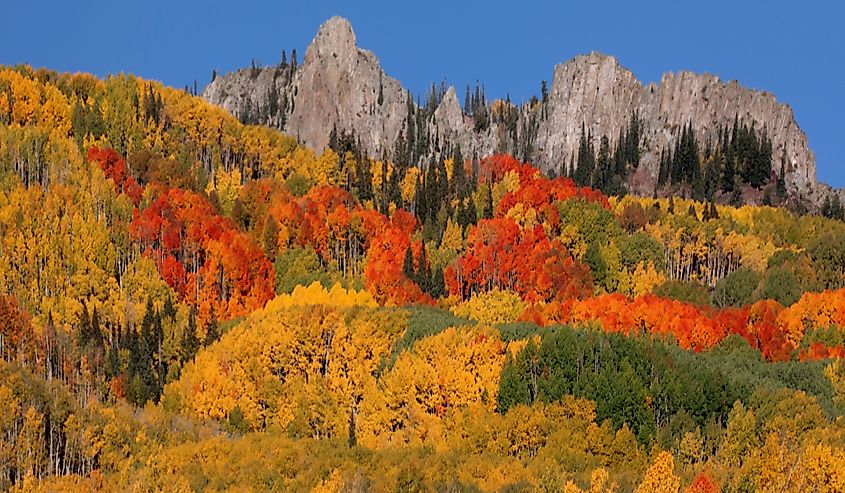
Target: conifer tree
<point>212,330</point>
<point>408,264</point>
<point>458,173</point>
<point>488,204</point>
<point>780,187</point>
<point>190,342</point>
<point>423,272</point>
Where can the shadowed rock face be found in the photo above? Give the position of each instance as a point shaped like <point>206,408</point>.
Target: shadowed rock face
<point>339,85</point>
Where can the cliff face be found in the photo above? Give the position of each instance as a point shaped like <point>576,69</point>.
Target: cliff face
<point>338,86</point>
<point>596,90</point>
<point>341,86</point>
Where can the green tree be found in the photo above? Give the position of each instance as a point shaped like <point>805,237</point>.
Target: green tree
<point>737,288</point>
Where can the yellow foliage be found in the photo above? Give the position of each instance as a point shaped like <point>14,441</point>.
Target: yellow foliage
<point>526,218</point>
<point>316,294</point>
<point>509,183</point>
<point>492,307</point>
<point>835,372</point>
<point>456,369</point>
<point>450,167</point>
<point>307,365</point>
<point>409,184</point>
<point>660,476</point>
<point>642,281</point>
<point>325,170</point>
<point>227,185</point>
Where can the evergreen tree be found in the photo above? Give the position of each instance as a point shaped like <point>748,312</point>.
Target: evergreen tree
<point>438,285</point>
<point>423,272</point>
<point>458,173</point>
<point>780,187</point>
<point>714,213</point>
<point>471,213</point>
<point>663,170</point>
<point>728,173</point>
<point>432,197</point>
<point>382,202</point>
<point>586,160</point>
<point>420,200</point>
<point>604,170</point>
<point>270,237</point>
<point>488,203</point>
<point>692,213</point>
<point>112,368</point>
<point>832,207</point>
<point>190,342</point>
<point>736,194</point>
<point>467,104</point>
<point>408,264</point>
<point>212,330</point>
<point>394,190</point>
<point>443,184</point>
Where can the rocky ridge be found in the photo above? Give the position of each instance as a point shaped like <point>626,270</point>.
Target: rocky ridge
<point>340,86</point>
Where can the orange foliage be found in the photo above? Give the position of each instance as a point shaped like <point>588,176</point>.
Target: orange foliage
<point>535,190</point>
<point>383,274</point>
<point>115,169</point>
<point>17,340</point>
<point>813,310</point>
<point>693,327</point>
<point>702,484</point>
<point>202,256</point>
<point>818,351</point>
<point>500,255</point>
<point>342,232</point>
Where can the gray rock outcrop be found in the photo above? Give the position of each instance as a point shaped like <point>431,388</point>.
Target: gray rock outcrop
<point>340,86</point>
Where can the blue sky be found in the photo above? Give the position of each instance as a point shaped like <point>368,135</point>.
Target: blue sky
<point>795,50</point>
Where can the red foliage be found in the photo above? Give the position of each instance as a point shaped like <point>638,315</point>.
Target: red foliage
<point>693,327</point>
<point>17,339</point>
<point>818,351</point>
<point>329,220</point>
<point>115,169</point>
<point>383,274</point>
<point>500,255</point>
<point>768,336</point>
<point>702,484</point>
<point>535,190</point>
<point>202,256</point>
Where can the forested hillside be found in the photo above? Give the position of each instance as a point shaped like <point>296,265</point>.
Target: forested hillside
<point>188,303</point>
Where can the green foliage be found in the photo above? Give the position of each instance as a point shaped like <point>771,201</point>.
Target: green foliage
<point>828,254</point>
<point>298,184</point>
<point>300,267</point>
<point>691,292</point>
<point>515,331</point>
<point>737,288</point>
<point>641,247</point>
<point>424,321</point>
<point>780,284</point>
<point>645,383</point>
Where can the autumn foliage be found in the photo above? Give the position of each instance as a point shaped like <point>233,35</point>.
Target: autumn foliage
<point>188,302</point>
<point>500,255</point>
<point>202,256</point>
<point>114,168</point>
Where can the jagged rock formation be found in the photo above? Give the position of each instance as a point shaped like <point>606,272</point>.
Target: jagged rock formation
<point>340,86</point>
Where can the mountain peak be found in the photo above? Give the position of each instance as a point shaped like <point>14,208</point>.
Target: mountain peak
<point>341,86</point>
<point>334,36</point>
